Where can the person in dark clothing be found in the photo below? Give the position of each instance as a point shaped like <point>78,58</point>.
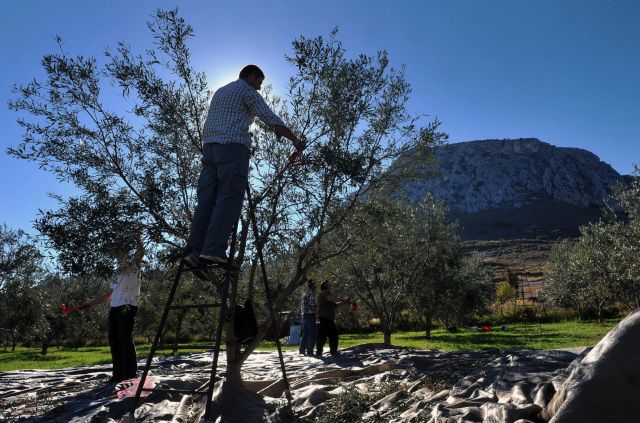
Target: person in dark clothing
<point>124,296</point>
<point>327,304</point>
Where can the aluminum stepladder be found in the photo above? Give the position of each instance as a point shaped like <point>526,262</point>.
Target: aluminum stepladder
<point>222,316</point>
<point>218,335</point>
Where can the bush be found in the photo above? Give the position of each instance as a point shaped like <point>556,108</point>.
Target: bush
<point>345,408</point>
<point>534,312</point>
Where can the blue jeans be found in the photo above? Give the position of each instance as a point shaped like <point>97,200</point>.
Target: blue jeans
<point>308,339</point>
<point>221,187</point>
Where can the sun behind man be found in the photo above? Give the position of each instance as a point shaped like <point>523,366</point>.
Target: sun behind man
<point>225,164</point>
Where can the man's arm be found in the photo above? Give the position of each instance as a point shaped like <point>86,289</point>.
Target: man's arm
<point>260,108</point>
<point>97,300</point>
<point>139,249</point>
<point>337,300</point>
<point>283,131</point>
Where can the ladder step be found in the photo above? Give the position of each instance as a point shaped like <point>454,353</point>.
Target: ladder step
<point>165,347</point>
<point>187,306</point>
<point>177,391</point>
<point>211,267</point>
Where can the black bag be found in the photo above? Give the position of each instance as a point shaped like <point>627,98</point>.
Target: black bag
<point>245,326</point>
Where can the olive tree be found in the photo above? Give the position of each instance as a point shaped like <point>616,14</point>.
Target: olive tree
<point>20,271</point>
<point>601,266</point>
<point>394,242</point>
<point>350,109</point>
<point>352,112</point>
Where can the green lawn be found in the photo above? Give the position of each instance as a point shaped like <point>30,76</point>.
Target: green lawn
<point>57,358</point>
<point>544,336</point>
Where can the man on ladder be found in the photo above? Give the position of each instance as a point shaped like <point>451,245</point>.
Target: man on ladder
<point>225,166</point>
<point>221,187</point>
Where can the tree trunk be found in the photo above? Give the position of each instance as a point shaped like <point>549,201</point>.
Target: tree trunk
<point>579,309</point>
<point>45,346</point>
<point>600,307</point>
<point>176,340</point>
<point>385,325</point>
<point>387,336</point>
<point>234,373</point>
<point>428,326</point>
<point>233,352</point>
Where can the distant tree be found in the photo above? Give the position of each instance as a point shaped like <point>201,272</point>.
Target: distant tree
<point>580,274</point>
<point>20,271</point>
<point>87,230</point>
<point>19,255</point>
<point>505,292</point>
<point>451,288</point>
<point>601,267</point>
<point>466,291</point>
<point>438,246</point>
<point>564,286</point>
<point>408,258</point>
<point>626,244</point>
<point>391,240</point>
<point>629,196</point>
<point>594,254</point>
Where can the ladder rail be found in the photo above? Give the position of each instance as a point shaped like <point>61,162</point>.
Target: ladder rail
<point>222,318</point>
<point>163,320</point>
<point>267,291</point>
<point>156,340</point>
<point>220,324</point>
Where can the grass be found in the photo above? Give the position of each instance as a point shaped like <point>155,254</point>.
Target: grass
<point>533,336</point>
<point>58,358</point>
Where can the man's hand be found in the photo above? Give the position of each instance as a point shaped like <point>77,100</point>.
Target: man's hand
<point>296,158</point>
<point>68,309</point>
<point>299,144</point>
<point>283,131</point>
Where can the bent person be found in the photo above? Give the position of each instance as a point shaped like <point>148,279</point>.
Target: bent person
<point>327,304</point>
<point>225,165</point>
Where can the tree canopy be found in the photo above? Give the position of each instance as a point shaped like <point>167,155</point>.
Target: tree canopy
<point>137,162</point>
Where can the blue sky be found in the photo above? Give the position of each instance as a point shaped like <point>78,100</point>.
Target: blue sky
<point>565,72</point>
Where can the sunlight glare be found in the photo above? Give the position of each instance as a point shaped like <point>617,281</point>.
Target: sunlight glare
<point>221,77</point>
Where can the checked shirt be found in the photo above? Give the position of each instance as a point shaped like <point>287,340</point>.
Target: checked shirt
<point>233,108</point>
<point>308,303</point>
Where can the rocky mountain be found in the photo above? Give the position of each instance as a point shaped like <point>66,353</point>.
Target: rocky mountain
<point>518,188</point>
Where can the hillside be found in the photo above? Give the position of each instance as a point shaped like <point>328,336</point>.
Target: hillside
<point>514,198</point>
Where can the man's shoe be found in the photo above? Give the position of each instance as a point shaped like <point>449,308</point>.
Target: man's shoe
<point>192,260</point>
<point>207,259</point>
<point>115,379</point>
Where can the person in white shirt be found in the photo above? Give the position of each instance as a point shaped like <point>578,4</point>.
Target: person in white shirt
<point>124,294</point>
